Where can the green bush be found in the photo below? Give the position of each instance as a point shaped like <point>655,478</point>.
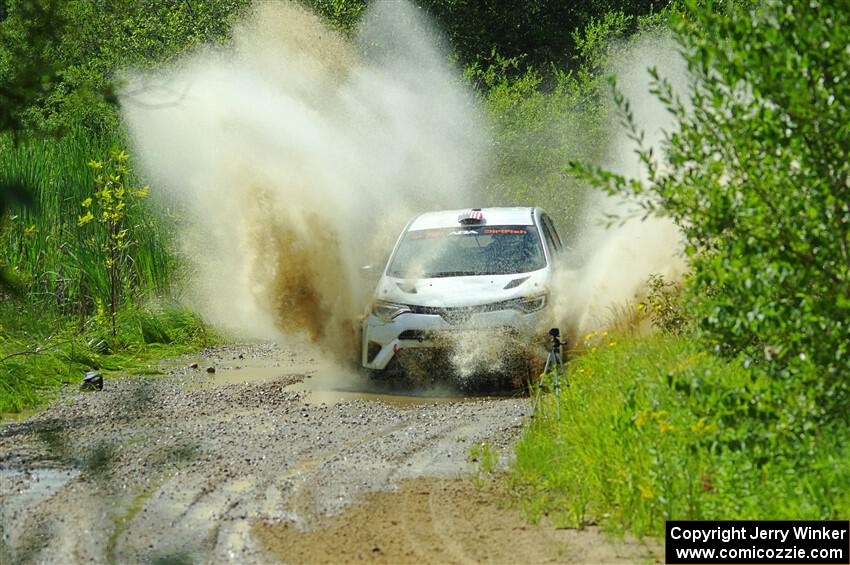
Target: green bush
<point>756,174</point>
<point>74,52</point>
<point>665,306</point>
<point>540,118</point>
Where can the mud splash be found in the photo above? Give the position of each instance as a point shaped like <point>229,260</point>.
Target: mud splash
<point>618,258</point>
<point>295,156</point>
<point>298,154</point>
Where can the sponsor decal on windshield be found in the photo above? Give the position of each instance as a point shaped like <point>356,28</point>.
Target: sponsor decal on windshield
<point>448,232</point>
<point>511,231</point>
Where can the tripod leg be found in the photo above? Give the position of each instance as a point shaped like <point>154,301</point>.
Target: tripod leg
<point>559,368</point>
<point>540,383</point>
<point>546,367</point>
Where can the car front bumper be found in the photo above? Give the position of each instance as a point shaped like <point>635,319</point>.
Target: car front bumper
<point>382,340</point>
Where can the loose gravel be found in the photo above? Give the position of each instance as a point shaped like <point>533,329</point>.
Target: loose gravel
<point>181,466</point>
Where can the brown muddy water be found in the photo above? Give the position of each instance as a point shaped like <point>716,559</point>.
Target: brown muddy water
<point>323,382</point>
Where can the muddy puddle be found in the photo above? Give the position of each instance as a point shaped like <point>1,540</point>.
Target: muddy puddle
<point>328,388</point>
<point>321,382</point>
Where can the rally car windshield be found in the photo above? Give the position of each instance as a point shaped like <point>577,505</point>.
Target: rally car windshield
<point>468,250</point>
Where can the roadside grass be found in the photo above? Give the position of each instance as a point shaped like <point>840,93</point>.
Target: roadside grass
<point>486,456</point>
<point>55,324</point>
<point>40,352</point>
<point>55,259</point>
<point>654,428</point>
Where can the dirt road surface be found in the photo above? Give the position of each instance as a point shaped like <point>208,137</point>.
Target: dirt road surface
<point>274,457</point>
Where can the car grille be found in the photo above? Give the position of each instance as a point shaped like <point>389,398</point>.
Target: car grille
<point>430,335</point>
<point>456,315</point>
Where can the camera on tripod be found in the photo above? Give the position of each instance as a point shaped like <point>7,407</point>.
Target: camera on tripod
<point>555,367</point>
<point>555,334</point>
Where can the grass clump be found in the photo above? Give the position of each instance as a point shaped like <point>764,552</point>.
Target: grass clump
<point>655,428</point>
<point>92,265</point>
<point>40,352</point>
<point>486,456</point>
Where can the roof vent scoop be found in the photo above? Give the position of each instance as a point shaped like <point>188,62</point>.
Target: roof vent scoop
<point>516,282</point>
<point>474,216</point>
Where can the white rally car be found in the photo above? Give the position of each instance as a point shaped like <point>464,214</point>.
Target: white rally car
<point>462,270</point>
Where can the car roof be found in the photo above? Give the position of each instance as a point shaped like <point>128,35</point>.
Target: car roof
<point>515,216</point>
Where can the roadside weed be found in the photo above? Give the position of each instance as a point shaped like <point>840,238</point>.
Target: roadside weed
<point>486,456</point>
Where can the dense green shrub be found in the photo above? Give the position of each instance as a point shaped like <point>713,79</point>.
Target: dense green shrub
<point>95,42</point>
<point>756,174</point>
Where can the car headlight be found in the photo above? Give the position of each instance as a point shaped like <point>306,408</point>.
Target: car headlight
<point>388,311</point>
<point>529,304</point>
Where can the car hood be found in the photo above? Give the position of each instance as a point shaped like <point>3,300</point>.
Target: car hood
<point>461,291</point>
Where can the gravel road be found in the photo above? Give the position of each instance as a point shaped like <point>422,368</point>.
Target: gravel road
<point>182,467</point>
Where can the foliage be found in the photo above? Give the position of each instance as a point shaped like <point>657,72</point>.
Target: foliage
<point>341,14</point>
<point>40,352</point>
<point>95,41</point>
<point>110,204</point>
<point>61,264</point>
<point>540,120</point>
<point>25,72</point>
<point>28,34</point>
<point>756,175</point>
<point>665,305</point>
<point>655,428</point>
<point>537,31</point>
<point>528,127</point>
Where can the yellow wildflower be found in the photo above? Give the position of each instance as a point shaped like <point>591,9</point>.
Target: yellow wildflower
<point>700,427</point>
<point>83,220</point>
